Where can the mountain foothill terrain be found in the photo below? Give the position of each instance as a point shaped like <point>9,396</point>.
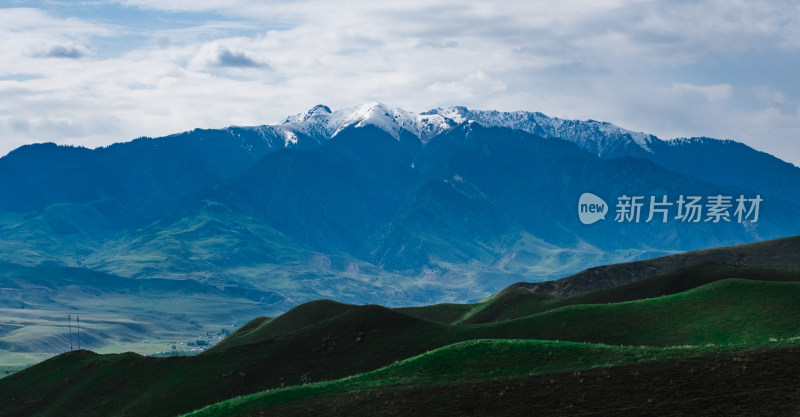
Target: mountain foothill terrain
<point>713,338</point>
<point>444,238</point>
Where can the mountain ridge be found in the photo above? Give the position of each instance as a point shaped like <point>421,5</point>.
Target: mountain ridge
<point>372,204</point>
<point>100,183</point>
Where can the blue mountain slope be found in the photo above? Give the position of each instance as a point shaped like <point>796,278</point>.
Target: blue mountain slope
<point>451,201</point>
<point>484,188</point>
<point>731,163</point>
<point>711,160</point>
<point>143,178</point>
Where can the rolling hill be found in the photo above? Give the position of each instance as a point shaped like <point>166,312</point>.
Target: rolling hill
<point>741,383</point>
<point>783,252</point>
<point>710,316</point>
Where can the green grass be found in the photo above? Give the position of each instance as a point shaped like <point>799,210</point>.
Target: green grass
<point>731,311</point>
<point>169,386</point>
<point>470,361</point>
<point>297,318</point>
<point>325,341</point>
<point>445,313</point>
<point>725,315</point>
<point>515,302</point>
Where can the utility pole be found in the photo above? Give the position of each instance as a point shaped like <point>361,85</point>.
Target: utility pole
<point>79,331</point>
<point>69,320</point>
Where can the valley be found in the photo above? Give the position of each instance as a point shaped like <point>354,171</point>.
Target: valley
<point>710,315</point>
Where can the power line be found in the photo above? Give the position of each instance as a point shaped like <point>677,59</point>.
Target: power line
<point>69,320</point>
<point>79,331</point>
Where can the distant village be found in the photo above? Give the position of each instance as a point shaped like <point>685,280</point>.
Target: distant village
<point>198,346</point>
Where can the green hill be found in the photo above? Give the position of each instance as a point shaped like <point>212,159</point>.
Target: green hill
<point>360,340</point>
<point>758,382</point>
<point>784,252</point>
<point>294,319</point>
<point>325,340</point>
<point>470,361</point>
<point>520,301</point>
<point>731,311</point>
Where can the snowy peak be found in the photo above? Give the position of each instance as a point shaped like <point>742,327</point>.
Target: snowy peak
<point>322,123</point>
<point>458,114</point>
<point>600,138</point>
<point>319,109</point>
<point>319,124</point>
<point>394,120</point>
<point>389,119</point>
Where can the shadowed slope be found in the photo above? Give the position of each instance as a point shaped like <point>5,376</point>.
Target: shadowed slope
<point>771,253</point>
<point>518,301</point>
<point>301,316</point>
<point>752,383</point>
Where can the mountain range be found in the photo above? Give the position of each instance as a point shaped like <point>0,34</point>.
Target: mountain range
<point>370,204</point>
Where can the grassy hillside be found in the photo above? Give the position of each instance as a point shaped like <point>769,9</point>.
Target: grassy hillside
<point>326,340</point>
<point>520,301</point>
<point>784,252</point>
<point>758,382</point>
<point>353,342</point>
<point>445,313</point>
<point>304,315</point>
<point>731,311</point>
<point>471,361</point>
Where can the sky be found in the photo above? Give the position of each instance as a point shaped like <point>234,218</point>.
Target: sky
<point>96,72</point>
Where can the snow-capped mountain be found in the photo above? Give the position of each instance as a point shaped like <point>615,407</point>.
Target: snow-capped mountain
<point>349,195</point>
<point>320,124</point>
<point>600,138</point>
<point>606,140</point>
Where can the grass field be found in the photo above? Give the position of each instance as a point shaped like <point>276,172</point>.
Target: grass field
<point>470,361</point>
<point>759,382</point>
<point>325,341</point>
<point>326,349</point>
<point>518,301</point>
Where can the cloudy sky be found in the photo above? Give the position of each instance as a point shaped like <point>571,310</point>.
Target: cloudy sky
<point>96,72</point>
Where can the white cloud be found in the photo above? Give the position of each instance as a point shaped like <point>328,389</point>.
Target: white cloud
<point>31,33</point>
<point>669,68</point>
<point>475,84</point>
<point>184,5</point>
<point>709,92</point>
<point>769,96</point>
